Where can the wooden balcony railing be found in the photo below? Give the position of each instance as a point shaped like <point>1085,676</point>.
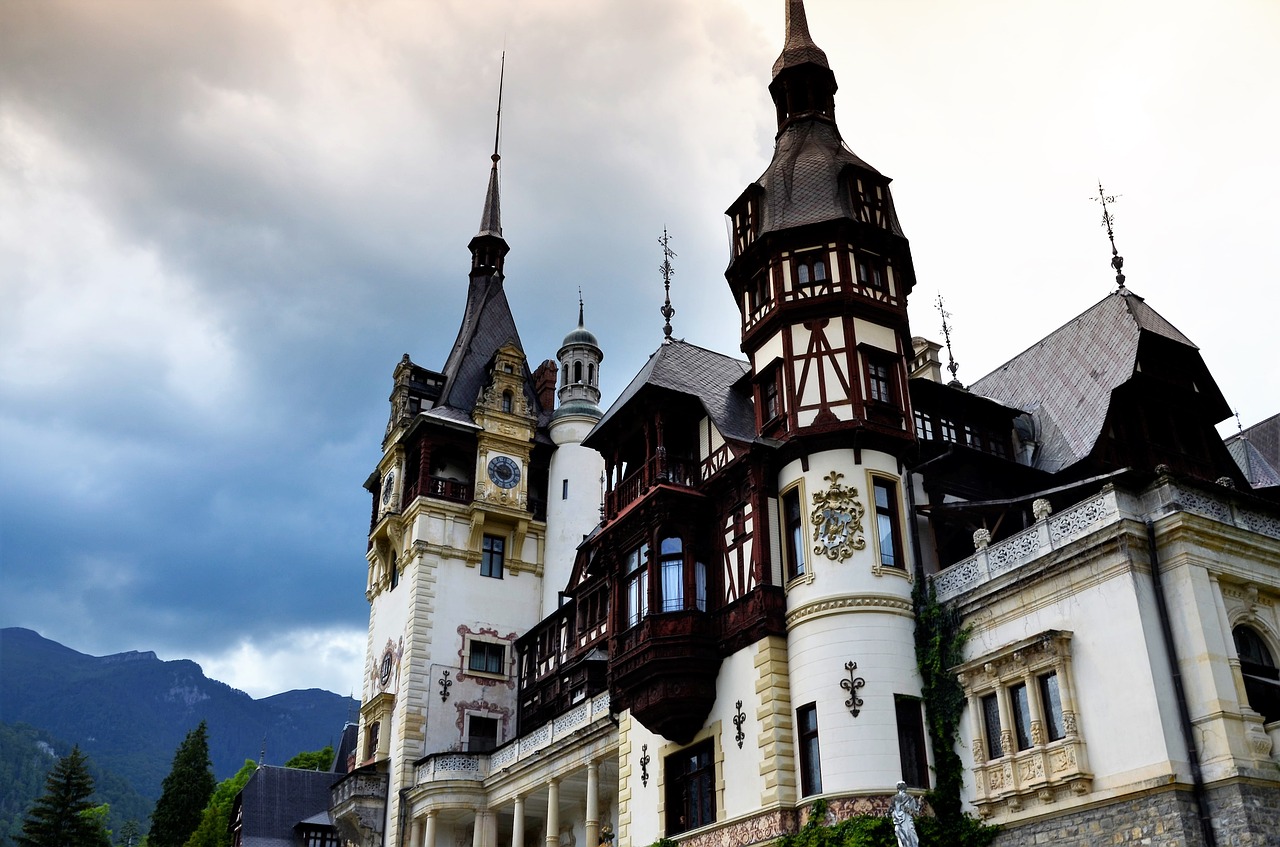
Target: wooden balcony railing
<point>659,470</point>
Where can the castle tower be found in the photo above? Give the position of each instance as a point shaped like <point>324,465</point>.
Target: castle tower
<point>573,495</point>
<point>821,271</point>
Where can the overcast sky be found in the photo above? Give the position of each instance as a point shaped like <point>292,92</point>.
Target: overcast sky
<point>223,221</point>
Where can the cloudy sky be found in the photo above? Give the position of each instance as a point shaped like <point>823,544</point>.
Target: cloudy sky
<point>223,221</point>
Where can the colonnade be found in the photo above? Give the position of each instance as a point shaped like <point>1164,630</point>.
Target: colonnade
<point>425,826</point>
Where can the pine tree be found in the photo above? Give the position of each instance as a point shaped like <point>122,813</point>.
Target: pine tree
<point>184,793</point>
<point>62,817</point>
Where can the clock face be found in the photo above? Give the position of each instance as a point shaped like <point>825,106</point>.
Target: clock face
<point>504,472</point>
<point>388,487</point>
<point>384,672</point>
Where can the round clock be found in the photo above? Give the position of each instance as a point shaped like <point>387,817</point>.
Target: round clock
<point>384,672</point>
<point>504,472</point>
<point>388,487</point>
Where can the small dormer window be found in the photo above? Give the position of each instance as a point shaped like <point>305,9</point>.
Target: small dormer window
<point>507,401</point>
<point>506,368</point>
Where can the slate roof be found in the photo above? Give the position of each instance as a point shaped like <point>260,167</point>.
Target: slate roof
<point>1065,380</point>
<point>799,46</point>
<point>275,800</point>
<point>491,217</point>
<point>802,184</point>
<point>487,324</point>
<point>1257,452</point>
<point>697,372</point>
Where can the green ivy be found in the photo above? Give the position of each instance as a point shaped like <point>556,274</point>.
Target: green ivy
<point>940,639</point>
<point>873,831</point>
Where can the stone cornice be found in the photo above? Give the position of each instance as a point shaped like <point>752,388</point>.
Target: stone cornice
<point>849,603</point>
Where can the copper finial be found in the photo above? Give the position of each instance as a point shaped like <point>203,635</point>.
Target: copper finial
<point>1117,261</point>
<point>668,311</point>
<point>946,335</point>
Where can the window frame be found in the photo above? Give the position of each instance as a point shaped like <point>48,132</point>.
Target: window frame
<point>912,752</point>
<point>891,512</point>
<point>795,537</point>
<point>473,718</point>
<point>488,555</point>
<point>489,649</point>
<point>635,587</point>
<point>808,750</point>
<point>704,776</point>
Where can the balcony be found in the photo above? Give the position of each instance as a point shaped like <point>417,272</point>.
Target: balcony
<point>444,489</point>
<point>659,470</point>
<point>664,670</point>
<point>358,806</point>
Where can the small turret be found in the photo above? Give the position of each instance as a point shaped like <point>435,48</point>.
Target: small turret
<point>580,357</point>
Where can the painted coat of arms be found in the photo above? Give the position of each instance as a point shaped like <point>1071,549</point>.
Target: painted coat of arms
<point>837,520</point>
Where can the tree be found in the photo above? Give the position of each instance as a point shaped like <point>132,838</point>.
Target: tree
<point>63,816</point>
<point>213,831</point>
<point>316,760</point>
<point>130,834</point>
<point>184,793</point>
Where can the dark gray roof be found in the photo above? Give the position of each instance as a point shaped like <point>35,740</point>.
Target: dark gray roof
<point>275,800</point>
<point>1065,380</point>
<point>491,217</point>
<point>487,324</point>
<point>1257,452</point>
<point>802,184</point>
<point>700,373</point>
<point>799,47</point>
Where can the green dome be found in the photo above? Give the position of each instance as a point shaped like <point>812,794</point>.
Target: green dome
<point>577,407</point>
<point>581,335</point>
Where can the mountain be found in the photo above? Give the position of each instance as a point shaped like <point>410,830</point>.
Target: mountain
<point>129,711</point>
<point>27,755</point>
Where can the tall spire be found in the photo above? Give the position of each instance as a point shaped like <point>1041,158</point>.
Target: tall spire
<point>799,47</point>
<point>488,247</point>
<point>1117,261</point>
<point>668,311</point>
<point>491,218</point>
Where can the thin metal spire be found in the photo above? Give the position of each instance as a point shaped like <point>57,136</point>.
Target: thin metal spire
<point>491,217</point>
<point>946,335</point>
<point>580,324</point>
<point>668,311</point>
<point>1117,261</point>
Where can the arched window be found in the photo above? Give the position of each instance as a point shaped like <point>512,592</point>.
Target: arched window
<point>802,274</point>
<point>1261,677</point>
<point>672,574</point>
<point>577,371</point>
<point>819,271</point>
<point>507,400</point>
<point>565,379</point>
<point>591,373</point>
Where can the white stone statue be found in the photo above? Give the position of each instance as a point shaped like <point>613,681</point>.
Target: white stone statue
<point>903,809</point>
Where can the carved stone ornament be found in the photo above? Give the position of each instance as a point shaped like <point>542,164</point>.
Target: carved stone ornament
<point>837,520</point>
<point>1041,508</point>
<point>981,539</point>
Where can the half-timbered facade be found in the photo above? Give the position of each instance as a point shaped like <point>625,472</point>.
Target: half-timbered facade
<point>691,615</point>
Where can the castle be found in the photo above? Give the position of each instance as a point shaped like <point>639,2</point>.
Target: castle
<point>691,614</point>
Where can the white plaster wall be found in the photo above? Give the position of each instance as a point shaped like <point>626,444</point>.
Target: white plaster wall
<point>877,335</point>
<point>388,613</point>
<point>857,753</point>
<point>768,352</point>
<point>569,519</point>
<point>743,784</point>
<point>1125,714</point>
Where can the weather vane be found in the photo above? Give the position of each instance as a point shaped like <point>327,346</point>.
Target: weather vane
<point>668,311</point>
<point>946,334</point>
<point>1117,261</point>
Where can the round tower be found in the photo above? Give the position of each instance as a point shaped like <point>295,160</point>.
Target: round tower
<point>573,489</point>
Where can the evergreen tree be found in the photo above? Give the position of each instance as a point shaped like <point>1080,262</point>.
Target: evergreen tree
<point>313,760</point>
<point>64,817</point>
<point>213,829</point>
<point>184,793</point>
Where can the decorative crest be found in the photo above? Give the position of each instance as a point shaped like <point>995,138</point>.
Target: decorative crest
<point>1117,261</point>
<point>946,334</point>
<point>668,311</point>
<point>837,520</point>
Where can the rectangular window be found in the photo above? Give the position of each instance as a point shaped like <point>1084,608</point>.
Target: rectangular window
<point>769,398</point>
<point>700,585</point>
<point>564,489</point>
<point>924,427</point>
<point>1021,714</point>
<point>991,725</point>
<point>691,788</point>
<point>915,762</point>
<point>871,273</point>
<point>1052,702</point>
<point>810,756</point>
<point>637,584</point>
<point>793,529</point>
<point>487,658</point>
<point>482,734</point>
<point>948,430</point>
<point>886,497</point>
<point>880,383</point>
<point>492,552</point>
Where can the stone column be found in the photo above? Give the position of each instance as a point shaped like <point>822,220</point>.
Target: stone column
<point>593,805</point>
<point>477,833</point>
<point>429,831</point>
<point>553,813</point>
<point>517,823</point>
<point>415,832</point>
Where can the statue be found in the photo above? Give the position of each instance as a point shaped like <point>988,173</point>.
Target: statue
<point>902,809</point>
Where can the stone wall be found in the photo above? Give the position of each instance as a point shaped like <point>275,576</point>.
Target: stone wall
<point>1244,815</point>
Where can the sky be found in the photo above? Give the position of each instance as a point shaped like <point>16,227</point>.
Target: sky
<point>222,222</point>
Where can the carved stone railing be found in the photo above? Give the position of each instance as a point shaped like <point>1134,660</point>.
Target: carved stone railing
<point>1088,516</point>
<point>478,766</point>
<point>358,805</point>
